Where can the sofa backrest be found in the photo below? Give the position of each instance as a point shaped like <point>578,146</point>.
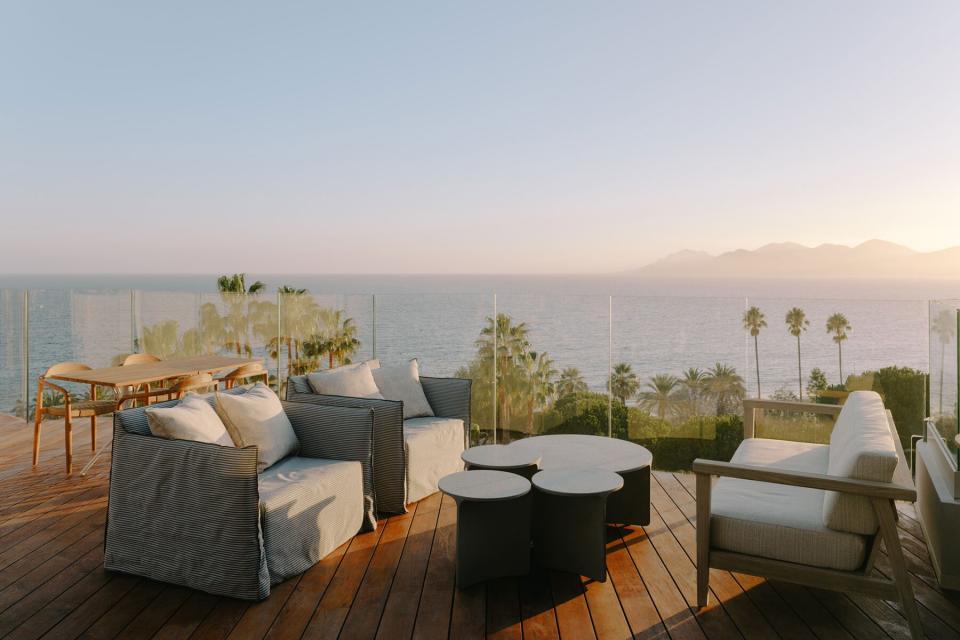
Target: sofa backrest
<point>135,420</point>
<point>862,446</point>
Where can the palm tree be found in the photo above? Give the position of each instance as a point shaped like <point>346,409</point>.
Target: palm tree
<point>945,326</point>
<point>753,321</point>
<point>571,382</point>
<point>725,386</point>
<point>237,284</point>
<point>659,393</point>
<point>540,376</point>
<point>338,336</point>
<point>838,325</point>
<point>297,320</point>
<point>797,323</point>
<point>505,345</point>
<point>623,383</point>
<point>692,383</point>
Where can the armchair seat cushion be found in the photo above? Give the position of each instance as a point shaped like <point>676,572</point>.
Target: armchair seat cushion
<point>778,521</point>
<point>308,507</point>
<point>433,447</point>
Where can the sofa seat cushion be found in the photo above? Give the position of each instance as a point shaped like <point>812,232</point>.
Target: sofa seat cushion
<point>862,446</point>
<point>779,521</point>
<point>433,447</point>
<point>308,508</point>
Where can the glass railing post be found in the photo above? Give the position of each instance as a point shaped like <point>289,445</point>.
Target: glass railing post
<point>25,351</point>
<point>373,324</point>
<point>610,367</point>
<point>495,342</point>
<point>279,339</point>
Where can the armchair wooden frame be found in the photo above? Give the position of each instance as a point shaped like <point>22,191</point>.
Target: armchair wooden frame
<point>881,494</point>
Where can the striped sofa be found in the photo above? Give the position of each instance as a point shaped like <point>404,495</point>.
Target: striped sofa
<point>199,515</point>
<point>409,456</point>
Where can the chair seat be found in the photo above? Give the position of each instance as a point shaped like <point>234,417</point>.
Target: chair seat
<point>778,521</point>
<point>83,409</point>
<point>308,507</point>
<point>433,446</point>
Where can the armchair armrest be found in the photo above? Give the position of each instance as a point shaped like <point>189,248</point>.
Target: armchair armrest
<point>450,398</point>
<point>866,488</point>
<point>187,513</point>
<point>337,433</point>
<point>750,406</point>
<point>389,452</point>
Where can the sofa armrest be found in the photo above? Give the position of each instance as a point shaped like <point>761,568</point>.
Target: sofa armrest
<point>187,513</point>
<point>337,433</point>
<point>389,452</point>
<point>450,398</point>
<point>750,406</point>
<point>866,488</point>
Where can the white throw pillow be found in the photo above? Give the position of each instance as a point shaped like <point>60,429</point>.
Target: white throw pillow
<point>257,418</point>
<point>402,382</point>
<point>353,380</point>
<point>192,419</point>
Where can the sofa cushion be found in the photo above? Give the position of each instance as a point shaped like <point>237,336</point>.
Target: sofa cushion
<point>256,418</point>
<point>352,380</point>
<point>433,447</point>
<point>402,383</point>
<point>191,419</point>
<point>861,446</point>
<point>308,507</point>
<point>779,521</point>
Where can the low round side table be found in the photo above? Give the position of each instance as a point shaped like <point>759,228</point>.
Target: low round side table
<point>569,520</point>
<point>501,457</point>
<point>632,462</point>
<point>493,524</point>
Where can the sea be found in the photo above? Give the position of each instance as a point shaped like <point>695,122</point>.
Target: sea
<point>588,322</point>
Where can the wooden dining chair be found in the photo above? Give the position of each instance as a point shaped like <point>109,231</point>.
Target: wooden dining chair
<point>70,409</point>
<point>146,392</point>
<point>198,382</point>
<point>250,371</point>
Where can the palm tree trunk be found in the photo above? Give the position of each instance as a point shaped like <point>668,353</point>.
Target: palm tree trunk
<point>330,359</point>
<point>840,354</point>
<point>799,370</point>
<point>756,355</point>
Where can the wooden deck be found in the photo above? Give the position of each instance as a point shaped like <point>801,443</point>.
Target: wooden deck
<point>397,582</point>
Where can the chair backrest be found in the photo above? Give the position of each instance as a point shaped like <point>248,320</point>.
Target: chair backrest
<point>140,358</point>
<point>64,367</point>
<point>245,371</point>
<point>862,446</point>
<point>191,383</point>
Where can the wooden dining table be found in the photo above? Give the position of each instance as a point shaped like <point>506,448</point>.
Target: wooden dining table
<point>137,375</point>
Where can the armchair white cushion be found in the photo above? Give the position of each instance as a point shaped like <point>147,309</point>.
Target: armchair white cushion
<point>861,447</point>
<point>191,419</point>
<point>257,418</point>
<point>402,383</point>
<point>352,380</point>
<point>779,521</point>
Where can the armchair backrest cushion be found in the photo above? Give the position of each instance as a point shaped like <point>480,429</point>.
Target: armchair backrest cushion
<point>862,446</point>
<point>135,420</point>
<point>257,418</point>
<point>355,381</point>
<point>402,383</point>
<point>192,419</point>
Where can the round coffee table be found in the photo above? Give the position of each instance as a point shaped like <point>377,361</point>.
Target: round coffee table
<point>493,524</point>
<point>630,505</point>
<point>502,457</point>
<point>569,515</point>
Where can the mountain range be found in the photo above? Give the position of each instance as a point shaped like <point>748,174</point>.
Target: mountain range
<point>871,259</point>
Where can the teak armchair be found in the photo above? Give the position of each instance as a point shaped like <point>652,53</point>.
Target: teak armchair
<point>69,410</point>
<point>881,496</point>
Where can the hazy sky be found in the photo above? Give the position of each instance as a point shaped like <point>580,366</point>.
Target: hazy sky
<point>469,137</point>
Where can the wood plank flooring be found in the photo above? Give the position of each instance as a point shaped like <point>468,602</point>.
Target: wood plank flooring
<point>398,581</point>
